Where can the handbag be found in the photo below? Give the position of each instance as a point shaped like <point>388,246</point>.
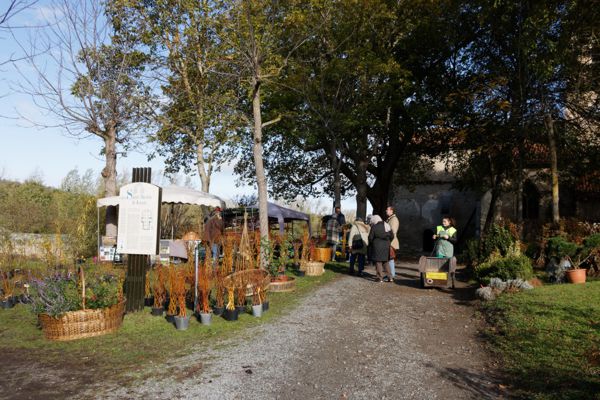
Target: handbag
<point>392,253</point>
<point>357,242</point>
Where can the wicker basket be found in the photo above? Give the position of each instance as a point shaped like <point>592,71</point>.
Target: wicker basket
<point>232,280</point>
<point>283,286</point>
<point>83,323</point>
<point>314,268</point>
<point>322,254</point>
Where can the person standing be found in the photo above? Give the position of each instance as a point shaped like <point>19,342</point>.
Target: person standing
<point>213,233</point>
<point>341,218</point>
<point>394,223</point>
<point>333,230</point>
<point>380,239</point>
<point>359,241</point>
<point>445,237</point>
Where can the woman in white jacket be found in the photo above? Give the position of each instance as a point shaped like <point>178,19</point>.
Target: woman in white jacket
<point>359,240</point>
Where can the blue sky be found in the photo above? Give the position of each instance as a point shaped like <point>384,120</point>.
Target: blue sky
<point>27,150</point>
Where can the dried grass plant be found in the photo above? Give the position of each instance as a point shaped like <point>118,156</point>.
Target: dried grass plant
<point>158,287</point>
<point>205,280</point>
<point>172,309</point>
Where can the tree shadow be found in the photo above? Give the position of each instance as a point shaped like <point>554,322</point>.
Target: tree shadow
<point>481,385</point>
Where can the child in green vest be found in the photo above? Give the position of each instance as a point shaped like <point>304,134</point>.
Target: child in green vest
<point>445,237</point>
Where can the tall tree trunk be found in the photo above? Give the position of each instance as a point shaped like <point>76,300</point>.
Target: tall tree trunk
<point>261,179</point>
<point>549,122</point>
<point>337,179</point>
<point>109,175</point>
<point>378,196</point>
<point>361,190</point>
<point>204,176</point>
<point>491,214</point>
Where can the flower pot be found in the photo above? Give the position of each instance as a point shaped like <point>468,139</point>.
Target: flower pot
<point>157,312</point>
<point>240,309</point>
<point>218,310</point>
<point>170,318</point>
<point>257,310</point>
<point>576,275</point>
<point>7,303</point>
<point>148,301</point>
<point>299,273</point>
<point>182,323</point>
<point>230,315</point>
<point>205,318</point>
<point>265,306</point>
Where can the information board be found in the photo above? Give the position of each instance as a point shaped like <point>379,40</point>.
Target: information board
<point>139,206</point>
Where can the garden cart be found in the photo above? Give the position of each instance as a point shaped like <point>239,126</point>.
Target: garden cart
<point>437,271</point>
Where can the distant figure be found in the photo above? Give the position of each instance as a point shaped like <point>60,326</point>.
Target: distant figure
<point>394,223</point>
<point>445,237</point>
<point>334,231</point>
<point>213,233</point>
<point>359,240</point>
<point>380,239</point>
<point>341,218</point>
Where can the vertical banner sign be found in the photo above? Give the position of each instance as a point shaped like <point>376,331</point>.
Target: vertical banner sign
<point>139,220</point>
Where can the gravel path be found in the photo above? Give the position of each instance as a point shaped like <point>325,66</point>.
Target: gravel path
<point>353,339</point>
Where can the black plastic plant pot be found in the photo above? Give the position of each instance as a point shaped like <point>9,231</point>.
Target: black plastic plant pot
<point>170,318</point>
<point>149,301</point>
<point>240,309</point>
<point>157,312</point>
<point>7,303</point>
<point>265,305</point>
<point>230,315</point>
<point>300,272</point>
<point>218,310</point>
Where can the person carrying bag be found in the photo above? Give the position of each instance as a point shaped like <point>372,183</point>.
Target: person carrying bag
<point>359,236</point>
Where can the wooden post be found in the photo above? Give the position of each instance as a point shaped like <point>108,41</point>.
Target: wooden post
<point>137,264</point>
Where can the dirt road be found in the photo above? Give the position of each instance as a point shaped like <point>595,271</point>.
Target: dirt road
<point>353,339</point>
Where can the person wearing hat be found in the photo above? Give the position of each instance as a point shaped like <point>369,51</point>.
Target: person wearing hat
<point>213,233</point>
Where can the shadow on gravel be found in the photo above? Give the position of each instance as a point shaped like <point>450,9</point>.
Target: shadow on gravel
<point>481,385</point>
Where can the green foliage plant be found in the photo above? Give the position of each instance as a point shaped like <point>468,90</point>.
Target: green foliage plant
<point>558,247</point>
<point>505,268</point>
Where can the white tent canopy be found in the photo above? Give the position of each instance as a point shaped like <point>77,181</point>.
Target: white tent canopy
<point>175,195</point>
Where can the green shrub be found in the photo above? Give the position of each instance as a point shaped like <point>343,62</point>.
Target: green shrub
<point>511,267</point>
<point>498,239</point>
<point>559,247</point>
<point>590,243</point>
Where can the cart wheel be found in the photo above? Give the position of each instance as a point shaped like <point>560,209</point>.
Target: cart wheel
<point>422,280</point>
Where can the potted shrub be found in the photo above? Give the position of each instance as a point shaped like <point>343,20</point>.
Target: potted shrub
<point>204,287</point>
<point>172,308</point>
<point>588,254</point>
<point>70,308</point>
<point>276,263</point>
<point>8,289</point>
<point>182,320</point>
<point>257,306</point>
<point>230,313</point>
<point>159,292</point>
<point>241,284</point>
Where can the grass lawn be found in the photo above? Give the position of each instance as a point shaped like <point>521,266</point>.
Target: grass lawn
<point>549,340</point>
<point>142,341</point>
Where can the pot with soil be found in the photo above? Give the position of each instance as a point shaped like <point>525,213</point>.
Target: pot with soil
<point>205,318</point>
<point>230,315</point>
<point>576,275</point>
<point>257,310</point>
<point>265,306</point>
<point>7,303</point>
<point>240,309</point>
<point>218,310</point>
<point>157,311</point>
<point>181,323</point>
<point>170,318</point>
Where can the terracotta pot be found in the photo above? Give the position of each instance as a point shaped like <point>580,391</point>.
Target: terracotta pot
<point>576,275</point>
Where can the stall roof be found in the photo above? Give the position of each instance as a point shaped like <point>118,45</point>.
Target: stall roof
<point>175,195</point>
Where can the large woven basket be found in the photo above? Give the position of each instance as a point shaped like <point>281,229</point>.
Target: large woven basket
<point>233,280</point>
<point>83,323</point>
<point>283,286</point>
<point>322,254</point>
<point>314,268</point>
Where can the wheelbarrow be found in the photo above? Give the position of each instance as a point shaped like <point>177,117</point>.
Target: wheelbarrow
<point>437,271</point>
